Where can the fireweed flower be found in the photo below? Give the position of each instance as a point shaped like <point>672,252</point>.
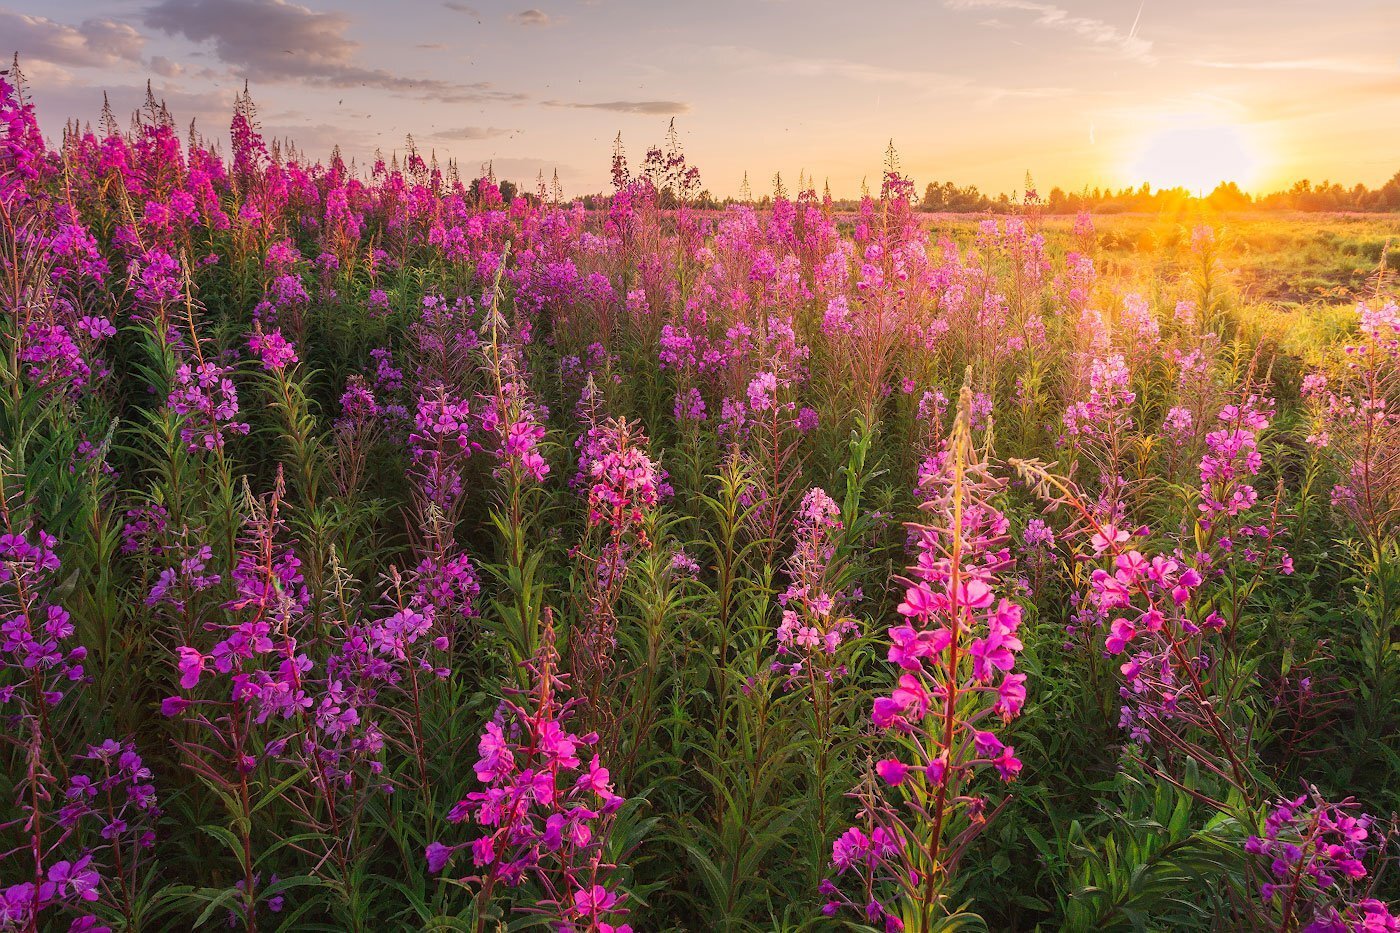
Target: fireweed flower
<point>1106,408</point>
<point>816,625</point>
<point>1038,547</point>
<point>682,564</point>
<point>814,622</point>
<point>111,797</point>
<point>690,406</point>
<point>1098,428</point>
<point>444,338</point>
<point>1312,858</point>
<point>177,584</point>
<point>546,810</point>
<point>204,393</point>
<point>449,584</point>
<point>955,651</point>
<point>1138,326</point>
<point>516,422</point>
<point>1356,423</point>
<point>143,530</point>
<point>624,482</point>
<point>86,823</point>
<point>23,151</point>
<point>76,255</point>
<point>258,648</point>
<point>623,485</point>
<point>381,668</point>
<point>251,688</point>
<point>763,425</point>
<point>1148,602</point>
<point>53,359</point>
<point>1237,536</point>
<point>1156,621</point>
<point>273,350</point>
<point>1232,458</point>
<point>36,635</point>
<point>1179,423</point>
<point>440,443</point>
<point>157,282</point>
<point>355,431</point>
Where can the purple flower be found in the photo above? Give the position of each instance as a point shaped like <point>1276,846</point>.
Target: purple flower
<point>75,879</point>
<point>191,665</point>
<point>438,856</point>
<point>274,350</point>
<point>892,771</point>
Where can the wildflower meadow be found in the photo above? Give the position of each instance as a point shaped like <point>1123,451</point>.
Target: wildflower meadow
<point>384,547</point>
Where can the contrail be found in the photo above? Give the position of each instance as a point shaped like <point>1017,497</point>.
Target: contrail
<point>1137,19</point>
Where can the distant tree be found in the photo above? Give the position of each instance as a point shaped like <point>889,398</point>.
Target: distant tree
<point>1389,194</point>
<point>1227,196</point>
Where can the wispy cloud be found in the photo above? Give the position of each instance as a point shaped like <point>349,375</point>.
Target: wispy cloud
<point>1048,16</point>
<point>280,41</point>
<point>855,71</point>
<point>471,133</point>
<point>1346,66</point>
<point>530,17</point>
<point>662,108</point>
<point>925,82</point>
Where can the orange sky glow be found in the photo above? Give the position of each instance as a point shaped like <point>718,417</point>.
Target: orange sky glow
<point>1078,92</point>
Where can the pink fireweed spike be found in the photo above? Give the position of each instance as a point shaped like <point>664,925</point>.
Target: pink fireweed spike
<point>955,648</point>
<point>546,811</point>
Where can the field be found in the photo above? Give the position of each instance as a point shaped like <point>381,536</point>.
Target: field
<point>379,555</point>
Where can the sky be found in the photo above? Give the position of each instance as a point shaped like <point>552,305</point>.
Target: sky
<point>1077,92</point>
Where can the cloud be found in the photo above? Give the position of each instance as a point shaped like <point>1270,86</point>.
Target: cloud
<point>1049,16</point>
<point>879,74</point>
<point>924,82</point>
<point>456,7</point>
<point>530,17</point>
<point>165,67</point>
<point>274,40</point>
<point>91,44</point>
<point>852,71</point>
<point>1350,66</point>
<point>470,133</point>
<point>664,108</point>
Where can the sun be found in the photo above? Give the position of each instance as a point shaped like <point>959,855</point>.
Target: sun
<point>1196,154</point>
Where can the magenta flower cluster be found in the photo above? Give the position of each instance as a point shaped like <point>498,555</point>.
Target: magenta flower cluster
<point>815,618</point>
<point>545,812</point>
<point>955,655</point>
<point>1314,854</point>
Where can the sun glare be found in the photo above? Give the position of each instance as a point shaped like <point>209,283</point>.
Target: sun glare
<point>1196,155</point>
